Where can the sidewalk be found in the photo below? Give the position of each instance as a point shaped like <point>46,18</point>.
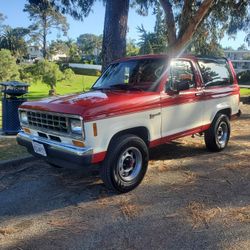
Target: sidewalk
<point>245,86</point>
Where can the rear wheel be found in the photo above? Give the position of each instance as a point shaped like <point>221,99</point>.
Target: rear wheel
<point>217,136</point>
<point>125,164</point>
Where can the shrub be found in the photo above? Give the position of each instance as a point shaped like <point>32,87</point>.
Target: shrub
<point>244,77</point>
<point>68,74</point>
<point>47,72</point>
<point>8,67</point>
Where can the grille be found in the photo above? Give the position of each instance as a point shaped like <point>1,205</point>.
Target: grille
<point>48,121</point>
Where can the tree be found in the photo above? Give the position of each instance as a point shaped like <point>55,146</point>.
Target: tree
<point>8,67</point>
<point>184,18</point>
<point>90,45</point>
<point>242,47</point>
<point>14,40</point>
<point>2,18</point>
<point>59,47</point>
<point>132,48</point>
<point>154,42</point>
<point>115,31</point>
<point>47,72</point>
<point>74,51</point>
<point>115,24</point>
<point>45,18</point>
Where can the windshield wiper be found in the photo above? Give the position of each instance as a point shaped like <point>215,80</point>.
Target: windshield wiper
<point>125,87</point>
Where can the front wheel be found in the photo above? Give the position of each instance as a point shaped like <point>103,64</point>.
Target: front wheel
<point>217,136</point>
<point>125,164</point>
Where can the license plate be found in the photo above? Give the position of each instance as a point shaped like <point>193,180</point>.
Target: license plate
<point>39,148</point>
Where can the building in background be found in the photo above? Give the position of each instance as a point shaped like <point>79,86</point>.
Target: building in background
<point>34,53</point>
<point>239,58</point>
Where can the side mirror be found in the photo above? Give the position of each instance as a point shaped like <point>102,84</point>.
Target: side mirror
<point>182,86</point>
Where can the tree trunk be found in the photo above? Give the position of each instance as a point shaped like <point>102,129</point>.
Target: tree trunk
<point>115,31</point>
<point>44,36</point>
<point>188,25</point>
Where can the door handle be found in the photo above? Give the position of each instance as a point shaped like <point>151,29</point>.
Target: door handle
<point>151,116</point>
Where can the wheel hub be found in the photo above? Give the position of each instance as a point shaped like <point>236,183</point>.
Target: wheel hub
<point>222,133</point>
<point>130,164</point>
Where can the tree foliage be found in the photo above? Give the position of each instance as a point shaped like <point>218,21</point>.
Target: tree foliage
<point>154,42</point>
<point>59,47</point>
<point>186,21</point>
<point>14,40</point>
<point>90,45</point>
<point>45,17</point>
<point>132,48</point>
<point>8,67</point>
<point>47,72</point>
<point>190,20</point>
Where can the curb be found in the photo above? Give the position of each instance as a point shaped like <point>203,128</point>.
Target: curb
<point>17,161</point>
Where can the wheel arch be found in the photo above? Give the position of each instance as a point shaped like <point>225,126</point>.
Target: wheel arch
<point>141,132</point>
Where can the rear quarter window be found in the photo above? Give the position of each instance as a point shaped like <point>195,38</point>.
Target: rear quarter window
<point>215,72</point>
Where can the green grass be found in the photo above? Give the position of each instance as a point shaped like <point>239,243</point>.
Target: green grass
<point>245,92</point>
<point>77,84</point>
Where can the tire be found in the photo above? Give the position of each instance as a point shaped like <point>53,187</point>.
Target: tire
<point>125,164</point>
<point>217,136</point>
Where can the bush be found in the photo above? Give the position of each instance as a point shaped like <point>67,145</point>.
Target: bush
<point>26,73</point>
<point>47,72</point>
<point>8,67</point>
<point>244,77</point>
<point>68,74</point>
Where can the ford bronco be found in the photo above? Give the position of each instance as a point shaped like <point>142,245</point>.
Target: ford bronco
<point>138,103</point>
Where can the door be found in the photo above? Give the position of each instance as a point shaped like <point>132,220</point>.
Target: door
<point>182,110</point>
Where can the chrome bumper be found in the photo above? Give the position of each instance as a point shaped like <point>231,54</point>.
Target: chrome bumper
<point>57,153</point>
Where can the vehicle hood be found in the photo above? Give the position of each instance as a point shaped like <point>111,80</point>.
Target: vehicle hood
<point>98,104</point>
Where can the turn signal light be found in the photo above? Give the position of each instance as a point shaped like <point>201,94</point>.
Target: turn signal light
<point>95,129</point>
<point>26,130</point>
<point>78,143</point>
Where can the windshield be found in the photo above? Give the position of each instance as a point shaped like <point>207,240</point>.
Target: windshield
<point>143,74</point>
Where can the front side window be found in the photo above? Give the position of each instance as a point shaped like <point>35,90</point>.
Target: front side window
<point>180,72</point>
<point>215,72</point>
<point>143,74</point>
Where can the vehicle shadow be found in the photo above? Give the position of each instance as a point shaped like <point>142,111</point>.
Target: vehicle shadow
<point>177,150</point>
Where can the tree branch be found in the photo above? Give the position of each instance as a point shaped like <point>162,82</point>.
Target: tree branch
<point>193,24</point>
<point>171,29</point>
<point>186,14</point>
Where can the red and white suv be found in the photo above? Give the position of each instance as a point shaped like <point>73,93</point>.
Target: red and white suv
<point>137,103</point>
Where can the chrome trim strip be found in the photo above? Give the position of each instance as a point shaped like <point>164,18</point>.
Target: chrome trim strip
<point>56,145</point>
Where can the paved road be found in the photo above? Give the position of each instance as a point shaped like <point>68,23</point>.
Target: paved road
<point>190,199</point>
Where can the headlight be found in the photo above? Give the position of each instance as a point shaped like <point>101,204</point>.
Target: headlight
<point>23,117</point>
<point>76,126</point>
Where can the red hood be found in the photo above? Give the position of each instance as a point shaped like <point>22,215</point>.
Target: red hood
<point>97,104</point>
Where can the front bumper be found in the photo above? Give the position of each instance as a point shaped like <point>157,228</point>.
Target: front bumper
<point>60,154</point>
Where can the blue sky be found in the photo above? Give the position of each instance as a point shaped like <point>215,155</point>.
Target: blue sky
<point>13,9</point>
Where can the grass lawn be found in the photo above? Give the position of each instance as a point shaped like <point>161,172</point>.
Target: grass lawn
<point>77,84</point>
<point>245,92</point>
